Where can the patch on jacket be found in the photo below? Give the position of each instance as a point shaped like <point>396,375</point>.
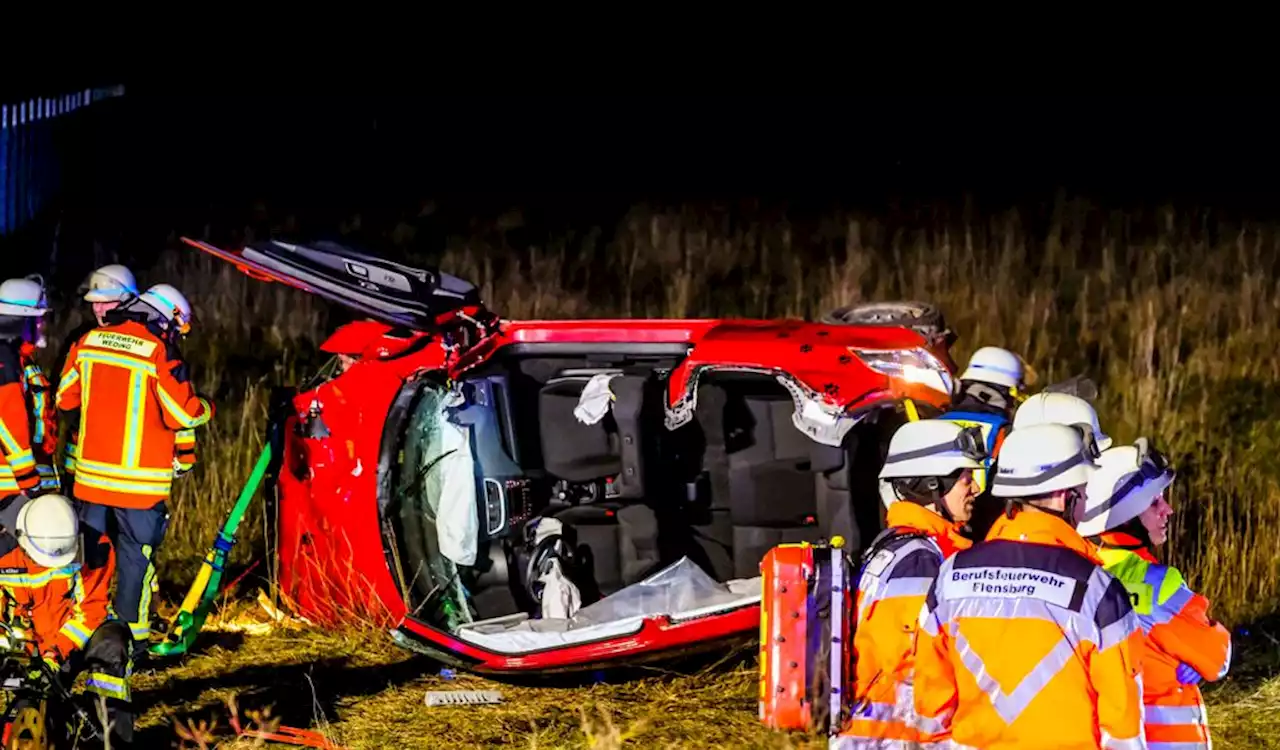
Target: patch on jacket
<point>877,564</point>
<point>12,571</point>
<point>121,342</point>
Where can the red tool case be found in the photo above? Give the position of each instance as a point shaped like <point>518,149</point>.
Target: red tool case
<point>806,615</point>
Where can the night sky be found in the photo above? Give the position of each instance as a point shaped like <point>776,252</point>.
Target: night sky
<point>159,161</point>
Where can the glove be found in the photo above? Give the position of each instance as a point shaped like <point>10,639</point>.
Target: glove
<point>1187,675</point>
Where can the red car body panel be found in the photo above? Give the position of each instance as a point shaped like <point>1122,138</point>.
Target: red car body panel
<point>334,564</point>
<point>331,557</point>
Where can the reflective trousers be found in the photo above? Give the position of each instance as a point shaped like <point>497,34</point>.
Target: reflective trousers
<point>135,535</point>
<point>108,660</point>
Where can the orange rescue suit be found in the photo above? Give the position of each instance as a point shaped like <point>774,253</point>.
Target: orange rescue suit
<point>134,397</point>
<point>18,472</point>
<point>891,589</point>
<point>1027,642</point>
<point>63,606</point>
<point>1179,631</point>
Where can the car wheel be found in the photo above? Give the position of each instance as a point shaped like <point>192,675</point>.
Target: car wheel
<point>922,317</point>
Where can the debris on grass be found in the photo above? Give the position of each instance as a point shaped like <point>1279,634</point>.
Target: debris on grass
<point>462,697</point>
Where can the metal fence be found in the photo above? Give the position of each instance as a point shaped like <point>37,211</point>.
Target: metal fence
<point>32,144</point>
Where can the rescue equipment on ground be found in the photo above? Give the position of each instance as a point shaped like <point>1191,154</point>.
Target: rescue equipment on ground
<point>805,619</point>
<point>186,623</point>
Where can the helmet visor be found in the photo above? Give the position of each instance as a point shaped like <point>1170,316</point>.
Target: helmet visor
<point>1089,450</point>
<point>1153,467</point>
<point>968,444</point>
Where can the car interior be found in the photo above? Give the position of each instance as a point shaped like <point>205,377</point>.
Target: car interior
<point>632,497</point>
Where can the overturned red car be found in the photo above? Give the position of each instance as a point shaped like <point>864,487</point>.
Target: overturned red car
<point>544,496</point>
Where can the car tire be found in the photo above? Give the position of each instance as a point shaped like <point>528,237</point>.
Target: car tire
<point>922,317</point>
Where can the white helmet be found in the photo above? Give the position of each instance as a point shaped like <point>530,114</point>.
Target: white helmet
<point>170,303</point>
<point>929,448</point>
<point>1044,458</point>
<point>1060,408</point>
<point>48,530</point>
<point>1131,478</point>
<point>23,298</point>
<point>113,283</point>
<point>994,365</point>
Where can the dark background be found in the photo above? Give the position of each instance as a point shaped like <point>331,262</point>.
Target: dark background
<point>155,163</point>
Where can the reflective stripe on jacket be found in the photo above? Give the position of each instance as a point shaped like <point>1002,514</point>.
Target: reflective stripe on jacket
<point>184,445</point>
<point>73,422</point>
<point>133,394</point>
<point>891,589</point>
<point>18,471</point>
<point>63,608</point>
<point>43,421</point>
<point>1026,642</point>
<point>1179,631</point>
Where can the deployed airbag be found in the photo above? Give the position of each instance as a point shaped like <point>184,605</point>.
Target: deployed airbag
<point>453,482</point>
<point>681,591</point>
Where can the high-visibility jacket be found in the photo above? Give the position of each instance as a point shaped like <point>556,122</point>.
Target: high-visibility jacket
<point>1027,642</point>
<point>891,589</point>
<point>64,607</point>
<point>134,395</point>
<point>18,471</point>
<point>73,421</point>
<point>43,421</point>
<point>1179,631</point>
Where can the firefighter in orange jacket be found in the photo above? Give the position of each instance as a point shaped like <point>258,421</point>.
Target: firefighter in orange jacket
<point>26,297</point>
<point>66,613</point>
<point>1127,517</point>
<point>105,289</point>
<point>1025,640</point>
<point>22,306</point>
<point>930,492</point>
<point>131,388</point>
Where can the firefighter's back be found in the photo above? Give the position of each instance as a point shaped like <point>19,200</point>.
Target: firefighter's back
<point>1028,621</point>
<point>125,448</point>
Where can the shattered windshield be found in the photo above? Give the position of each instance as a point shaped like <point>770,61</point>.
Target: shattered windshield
<point>438,510</point>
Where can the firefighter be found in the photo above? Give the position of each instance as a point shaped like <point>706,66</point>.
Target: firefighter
<point>66,613</point>
<point>1127,516</point>
<point>23,307</point>
<point>104,289</point>
<point>990,391</point>
<point>1025,641</point>
<point>133,392</point>
<point>930,466</point>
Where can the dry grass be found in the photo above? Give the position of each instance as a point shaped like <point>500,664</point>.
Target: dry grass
<point>362,692</point>
<point>1174,314</point>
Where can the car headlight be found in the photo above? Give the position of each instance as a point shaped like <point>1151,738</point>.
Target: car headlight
<point>915,366</point>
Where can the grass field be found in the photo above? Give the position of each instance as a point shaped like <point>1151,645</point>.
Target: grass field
<point>1175,315</point>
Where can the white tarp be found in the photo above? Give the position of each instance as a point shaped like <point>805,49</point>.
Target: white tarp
<point>682,591</point>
